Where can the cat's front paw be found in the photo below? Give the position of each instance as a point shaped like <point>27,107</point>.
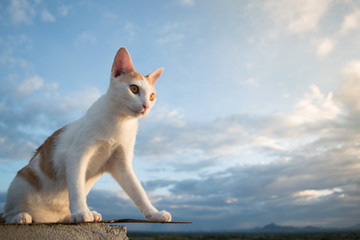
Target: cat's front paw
<point>86,216</point>
<point>97,216</point>
<point>162,216</point>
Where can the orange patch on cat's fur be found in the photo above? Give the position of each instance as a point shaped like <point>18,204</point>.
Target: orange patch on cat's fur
<point>30,176</point>
<point>45,152</point>
<point>130,76</point>
<point>148,79</point>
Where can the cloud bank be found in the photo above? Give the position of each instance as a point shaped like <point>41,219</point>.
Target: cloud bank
<point>31,109</point>
<point>311,177</point>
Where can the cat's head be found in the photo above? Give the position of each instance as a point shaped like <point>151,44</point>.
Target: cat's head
<point>133,93</point>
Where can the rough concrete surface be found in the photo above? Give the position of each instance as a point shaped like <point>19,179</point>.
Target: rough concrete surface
<point>86,231</point>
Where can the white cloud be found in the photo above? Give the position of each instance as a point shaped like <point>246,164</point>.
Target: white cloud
<point>315,107</point>
<point>231,200</point>
<point>352,69</point>
<point>46,16</point>
<point>187,2</point>
<point>297,16</point>
<point>249,66</point>
<point>350,22</point>
<point>79,100</point>
<point>350,88</point>
<point>251,40</point>
<point>169,27</point>
<point>173,116</point>
<point>325,47</point>
<point>250,82</point>
<point>171,38</point>
<point>286,95</point>
<point>307,15</point>
<point>64,10</point>
<point>30,85</point>
<point>171,34</point>
<point>130,28</point>
<point>25,11</point>
<point>86,37</point>
<point>311,194</point>
<point>21,11</point>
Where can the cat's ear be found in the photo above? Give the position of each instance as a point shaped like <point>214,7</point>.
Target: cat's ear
<point>122,63</point>
<point>155,75</point>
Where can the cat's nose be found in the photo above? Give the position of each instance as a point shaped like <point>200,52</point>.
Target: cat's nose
<point>146,106</point>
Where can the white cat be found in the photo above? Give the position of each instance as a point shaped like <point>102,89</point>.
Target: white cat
<point>54,185</point>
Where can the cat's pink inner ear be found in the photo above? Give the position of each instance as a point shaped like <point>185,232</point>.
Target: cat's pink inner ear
<point>122,63</point>
<point>155,75</point>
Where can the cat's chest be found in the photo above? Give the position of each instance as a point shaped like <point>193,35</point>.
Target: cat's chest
<point>107,142</point>
<point>104,152</point>
<point>123,139</point>
<point>118,132</point>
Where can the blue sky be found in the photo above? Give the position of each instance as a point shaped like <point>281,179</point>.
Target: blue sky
<point>258,108</point>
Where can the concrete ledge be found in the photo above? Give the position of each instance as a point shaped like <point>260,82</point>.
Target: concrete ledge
<point>83,231</point>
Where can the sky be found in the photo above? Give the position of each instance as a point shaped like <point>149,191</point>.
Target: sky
<point>257,114</point>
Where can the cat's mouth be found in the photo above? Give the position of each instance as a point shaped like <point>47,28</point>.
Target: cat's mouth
<point>138,113</point>
<point>144,112</point>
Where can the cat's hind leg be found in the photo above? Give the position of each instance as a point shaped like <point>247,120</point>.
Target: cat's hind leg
<point>22,217</point>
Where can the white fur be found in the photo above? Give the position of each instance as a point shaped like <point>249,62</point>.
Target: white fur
<point>101,141</point>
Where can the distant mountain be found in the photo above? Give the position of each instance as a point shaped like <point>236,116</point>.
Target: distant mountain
<point>274,228</point>
<point>355,227</point>
<point>311,229</point>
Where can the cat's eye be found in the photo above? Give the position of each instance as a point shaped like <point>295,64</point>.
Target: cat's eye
<point>152,97</point>
<point>134,89</point>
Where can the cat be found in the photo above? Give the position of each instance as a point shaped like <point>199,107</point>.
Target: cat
<point>54,185</point>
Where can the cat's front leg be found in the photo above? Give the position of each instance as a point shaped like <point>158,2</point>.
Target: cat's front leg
<point>127,179</point>
<point>76,174</point>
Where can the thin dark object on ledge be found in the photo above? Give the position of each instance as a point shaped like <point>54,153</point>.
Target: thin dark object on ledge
<point>127,220</point>
<point>139,221</point>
